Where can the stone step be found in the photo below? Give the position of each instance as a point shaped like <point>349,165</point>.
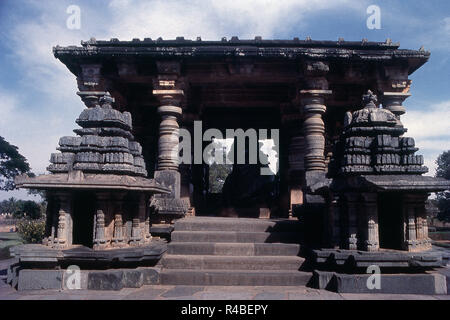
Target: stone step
<point>237,224</point>
<point>234,249</point>
<point>235,236</point>
<point>208,262</point>
<point>234,278</point>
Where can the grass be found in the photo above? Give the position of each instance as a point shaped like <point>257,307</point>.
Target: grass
<point>8,240</point>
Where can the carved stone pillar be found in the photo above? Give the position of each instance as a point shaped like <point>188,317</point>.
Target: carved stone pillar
<point>352,212</point>
<point>118,239</point>
<point>314,128</point>
<point>422,223</point>
<point>61,238</point>
<point>100,239</point>
<point>136,233</point>
<point>64,229</point>
<point>144,219</point>
<point>313,102</point>
<point>370,224</point>
<point>167,90</point>
<point>409,207</point>
<point>168,131</point>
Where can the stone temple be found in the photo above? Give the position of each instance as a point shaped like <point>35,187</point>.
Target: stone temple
<point>350,190</point>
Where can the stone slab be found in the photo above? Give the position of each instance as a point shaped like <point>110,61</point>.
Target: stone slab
<point>363,259</point>
<point>234,249</point>
<point>235,236</point>
<point>105,280</point>
<point>234,277</point>
<point>424,284</point>
<point>270,296</point>
<point>237,224</point>
<point>213,262</point>
<point>132,278</point>
<point>150,275</point>
<point>40,279</point>
<point>182,291</point>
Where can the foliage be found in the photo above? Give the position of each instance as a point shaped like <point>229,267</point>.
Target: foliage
<point>12,163</point>
<point>31,231</point>
<point>217,175</point>
<point>21,208</point>
<point>8,240</point>
<point>443,198</point>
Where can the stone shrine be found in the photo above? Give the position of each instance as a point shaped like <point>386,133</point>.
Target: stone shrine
<point>97,191</point>
<point>349,191</point>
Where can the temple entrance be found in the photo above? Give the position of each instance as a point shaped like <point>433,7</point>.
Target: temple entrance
<point>83,219</point>
<point>390,222</point>
<point>232,188</point>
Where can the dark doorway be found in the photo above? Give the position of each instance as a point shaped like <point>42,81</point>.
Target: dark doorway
<point>390,221</point>
<point>240,190</point>
<point>83,219</point>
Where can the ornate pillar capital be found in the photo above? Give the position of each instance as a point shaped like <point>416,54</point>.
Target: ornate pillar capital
<point>91,84</point>
<point>392,101</point>
<point>315,74</point>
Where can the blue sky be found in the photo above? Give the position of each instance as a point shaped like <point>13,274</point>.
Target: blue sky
<point>38,103</point>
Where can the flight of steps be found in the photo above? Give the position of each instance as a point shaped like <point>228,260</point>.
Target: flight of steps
<point>234,251</point>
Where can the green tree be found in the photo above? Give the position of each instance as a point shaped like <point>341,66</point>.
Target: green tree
<point>10,205</point>
<point>217,175</point>
<point>443,198</point>
<point>21,208</point>
<point>12,163</point>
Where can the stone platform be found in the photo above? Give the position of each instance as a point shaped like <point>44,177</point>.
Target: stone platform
<point>355,259</point>
<point>37,255</point>
<point>429,283</point>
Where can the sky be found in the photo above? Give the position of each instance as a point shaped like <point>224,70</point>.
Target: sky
<point>38,101</point>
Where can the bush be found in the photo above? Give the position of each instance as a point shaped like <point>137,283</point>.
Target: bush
<point>31,231</point>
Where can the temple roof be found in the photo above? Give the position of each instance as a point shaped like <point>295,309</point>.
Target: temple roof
<point>286,49</point>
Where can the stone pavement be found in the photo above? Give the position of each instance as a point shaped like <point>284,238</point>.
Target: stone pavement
<point>159,292</point>
<point>172,292</point>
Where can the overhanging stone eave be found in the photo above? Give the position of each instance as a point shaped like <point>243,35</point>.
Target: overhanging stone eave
<point>92,182</point>
<point>390,183</point>
<point>73,56</point>
<point>410,183</point>
<point>282,52</point>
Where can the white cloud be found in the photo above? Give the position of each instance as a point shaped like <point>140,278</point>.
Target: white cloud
<point>430,128</point>
<point>446,24</point>
<point>214,19</point>
<point>8,104</point>
<point>430,121</point>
